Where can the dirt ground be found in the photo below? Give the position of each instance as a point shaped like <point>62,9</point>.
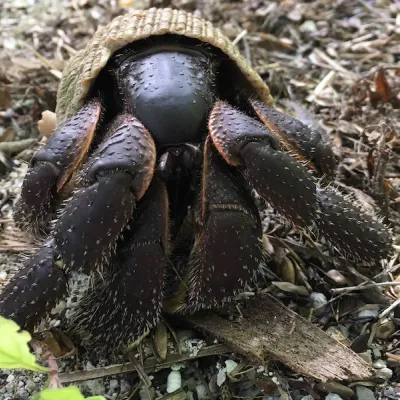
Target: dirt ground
<point>332,64</point>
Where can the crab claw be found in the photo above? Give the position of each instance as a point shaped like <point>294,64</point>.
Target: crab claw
<point>52,166</point>
<point>278,177</point>
<point>298,139</point>
<point>291,188</point>
<point>115,177</point>
<point>35,290</point>
<point>359,236</point>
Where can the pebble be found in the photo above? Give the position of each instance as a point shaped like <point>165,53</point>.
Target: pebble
<point>366,356</point>
<point>308,397</point>
<point>377,353</point>
<point>230,366</point>
<point>363,393</point>
<point>333,396</point>
<point>384,373</point>
<point>378,364</point>
<point>308,26</point>
<point>3,275</point>
<point>368,314</point>
<point>23,394</point>
<point>30,385</point>
<point>174,381</point>
<point>96,386</point>
<point>318,300</point>
<point>113,385</point>
<point>201,391</point>
<point>10,378</point>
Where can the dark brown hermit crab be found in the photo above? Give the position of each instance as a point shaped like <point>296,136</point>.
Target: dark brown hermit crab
<point>162,132</point>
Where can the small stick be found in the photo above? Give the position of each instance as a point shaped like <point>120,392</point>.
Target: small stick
<point>140,370</point>
<point>389,309</point>
<point>370,286</point>
<point>54,377</point>
<point>150,364</point>
<point>239,37</point>
<point>16,146</point>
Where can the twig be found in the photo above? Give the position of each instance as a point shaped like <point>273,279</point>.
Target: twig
<point>17,146</point>
<point>389,309</point>
<point>369,286</point>
<point>239,37</point>
<point>55,72</point>
<point>140,370</point>
<point>150,365</point>
<point>54,381</point>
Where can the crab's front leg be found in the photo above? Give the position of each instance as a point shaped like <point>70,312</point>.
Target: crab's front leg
<point>35,289</point>
<point>115,177</point>
<point>280,179</point>
<point>291,188</point>
<point>53,165</point>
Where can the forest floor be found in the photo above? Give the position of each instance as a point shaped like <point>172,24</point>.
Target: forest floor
<point>332,64</point>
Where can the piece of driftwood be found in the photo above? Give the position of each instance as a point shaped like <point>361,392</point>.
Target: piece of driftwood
<point>267,330</point>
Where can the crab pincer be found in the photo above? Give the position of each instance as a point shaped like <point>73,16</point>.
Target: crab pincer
<point>35,290</point>
<point>115,177</point>
<point>227,251</point>
<point>243,141</point>
<point>287,181</point>
<point>53,165</point>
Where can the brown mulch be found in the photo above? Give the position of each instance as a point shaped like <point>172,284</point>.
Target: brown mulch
<point>334,64</point>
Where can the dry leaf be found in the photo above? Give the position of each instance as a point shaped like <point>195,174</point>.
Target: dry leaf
<point>5,99</point>
<point>289,287</point>
<point>383,92</point>
<point>161,339</point>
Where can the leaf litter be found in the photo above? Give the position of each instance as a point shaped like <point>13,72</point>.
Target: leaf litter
<point>334,65</point>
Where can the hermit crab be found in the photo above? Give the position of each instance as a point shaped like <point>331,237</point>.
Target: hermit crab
<point>163,132</point>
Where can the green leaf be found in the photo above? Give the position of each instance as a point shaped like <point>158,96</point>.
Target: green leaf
<point>14,350</point>
<point>68,393</point>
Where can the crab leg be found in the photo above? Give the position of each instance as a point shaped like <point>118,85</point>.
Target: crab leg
<point>116,176</point>
<point>34,290</point>
<point>227,251</point>
<point>53,164</point>
<point>291,188</point>
<point>299,140</point>
<point>242,141</point>
<point>127,300</point>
